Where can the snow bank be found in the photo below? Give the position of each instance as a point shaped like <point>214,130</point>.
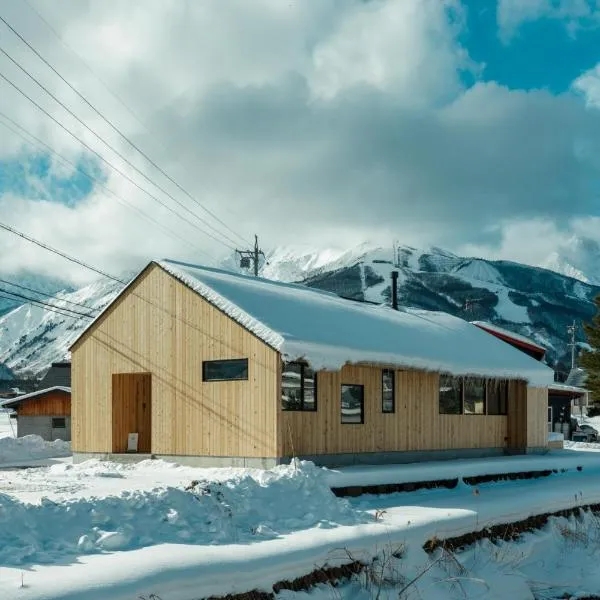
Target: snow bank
<point>243,509</point>
<point>31,447</point>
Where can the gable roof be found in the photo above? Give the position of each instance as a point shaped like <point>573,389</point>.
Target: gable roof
<point>33,395</point>
<point>328,331</point>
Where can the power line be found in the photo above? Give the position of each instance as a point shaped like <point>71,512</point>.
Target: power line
<point>95,270</point>
<point>121,156</point>
<point>105,161</point>
<point>46,294</point>
<point>85,64</point>
<point>59,253</point>
<point>122,135</point>
<point>47,308</point>
<point>98,182</point>
<point>67,312</point>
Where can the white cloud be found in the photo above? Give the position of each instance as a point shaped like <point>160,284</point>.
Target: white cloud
<point>588,84</point>
<point>320,122</point>
<point>575,14</point>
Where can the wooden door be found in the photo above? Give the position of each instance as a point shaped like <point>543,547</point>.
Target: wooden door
<point>132,410</point>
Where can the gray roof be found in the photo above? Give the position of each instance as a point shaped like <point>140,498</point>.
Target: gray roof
<point>577,377</point>
<point>59,375</point>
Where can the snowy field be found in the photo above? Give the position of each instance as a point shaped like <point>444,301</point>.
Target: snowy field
<point>129,531</point>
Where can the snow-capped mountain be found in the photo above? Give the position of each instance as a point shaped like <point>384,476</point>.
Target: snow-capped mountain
<point>531,301</point>
<point>42,283</point>
<point>32,337</point>
<point>579,257</point>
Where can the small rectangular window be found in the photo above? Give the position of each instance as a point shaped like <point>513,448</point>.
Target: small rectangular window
<point>497,397</point>
<point>59,423</point>
<point>474,396</point>
<point>450,395</point>
<point>353,404</point>
<point>225,370</point>
<point>298,387</point>
<point>388,391</point>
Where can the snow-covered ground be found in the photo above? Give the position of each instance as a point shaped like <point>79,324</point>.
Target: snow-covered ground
<point>127,531</point>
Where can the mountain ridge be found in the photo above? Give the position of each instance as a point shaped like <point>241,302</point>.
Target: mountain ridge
<point>530,300</point>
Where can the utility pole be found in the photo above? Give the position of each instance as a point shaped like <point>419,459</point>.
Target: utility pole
<point>248,256</point>
<point>571,329</point>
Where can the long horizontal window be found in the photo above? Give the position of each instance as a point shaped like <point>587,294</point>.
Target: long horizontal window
<point>472,396</point>
<point>225,370</point>
<point>298,387</point>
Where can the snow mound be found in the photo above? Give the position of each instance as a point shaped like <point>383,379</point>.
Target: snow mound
<point>31,447</point>
<point>249,507</point>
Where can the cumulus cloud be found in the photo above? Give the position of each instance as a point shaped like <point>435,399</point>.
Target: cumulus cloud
<point>575,14</point>
<point>320,122</point>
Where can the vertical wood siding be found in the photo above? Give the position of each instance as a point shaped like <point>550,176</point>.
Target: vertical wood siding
<point>415,426</point>
<point>537,417</point>
<point>56,404</point>
<point>163,328</point>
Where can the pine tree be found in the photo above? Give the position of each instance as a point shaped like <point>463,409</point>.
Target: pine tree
<point>590,359</point>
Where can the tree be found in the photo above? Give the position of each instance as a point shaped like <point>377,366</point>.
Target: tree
<point>590,359</point>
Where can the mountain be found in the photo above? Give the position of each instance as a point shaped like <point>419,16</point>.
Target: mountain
<point>531,301</point>
<point>32,337</point>
<point>22,281</point>
<point>578,257</point>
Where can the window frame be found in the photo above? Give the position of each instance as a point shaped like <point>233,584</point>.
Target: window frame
<point>461,411</point>
<point>226,360</point>
<point>485,402</point>
<point>362,403</point>
<point>393,374</point>
<point>504,400</point>
<point>54,426</point>
<point>303,366</point>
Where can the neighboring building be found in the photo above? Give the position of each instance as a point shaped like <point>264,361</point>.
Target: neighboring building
<point>59,374</point>
<point>517,341</point>
<point>214,368</point>
<point>46,413</point>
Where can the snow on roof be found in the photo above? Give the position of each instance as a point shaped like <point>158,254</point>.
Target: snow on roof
<point>18,399</point>
<point>328,331</point>
<point>565,387</point>
<point>508,333</point>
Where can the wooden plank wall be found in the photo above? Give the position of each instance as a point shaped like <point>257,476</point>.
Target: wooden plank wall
<point>416,425</point>
<point>537,417</point>
<point>56,404</point>
<point>131,410</point>
<point>163,328</point>
<point>517,415</point>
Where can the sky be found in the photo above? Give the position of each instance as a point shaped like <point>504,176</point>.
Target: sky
<point>472,125</point>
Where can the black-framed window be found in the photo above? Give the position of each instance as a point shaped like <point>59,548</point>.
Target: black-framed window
<point>497,397</point>
<point>450,395</point>
<point>388,391</point>
<point>353,404</point>
<point>59,423</point>
<point>298,387</point>
<point>225,370</point>
<point>474,396</point>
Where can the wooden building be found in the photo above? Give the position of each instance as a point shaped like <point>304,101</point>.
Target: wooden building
<point>213,368</point>
<point>45,412</point>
